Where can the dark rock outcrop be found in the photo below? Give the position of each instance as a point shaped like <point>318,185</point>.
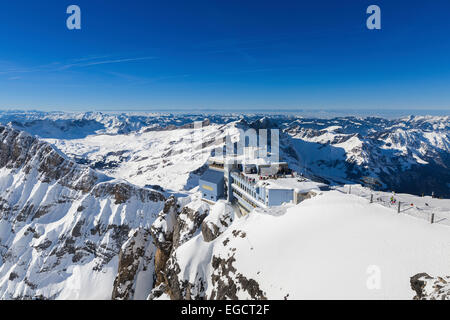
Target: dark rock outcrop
<point>162,232</point>
<point>217,222</point>
<point>136,255</point>
<point>227,281</point>
<point>163,228</point>
<point>179,288</point>
<point>188,222</point>
<point>430,288</point>
<point>170,230</point>
<point>122,192</point>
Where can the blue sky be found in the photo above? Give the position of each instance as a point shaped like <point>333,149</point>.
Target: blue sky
<point>224,55</point>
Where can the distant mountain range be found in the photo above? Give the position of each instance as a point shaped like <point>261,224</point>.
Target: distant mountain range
<point>410,154</point>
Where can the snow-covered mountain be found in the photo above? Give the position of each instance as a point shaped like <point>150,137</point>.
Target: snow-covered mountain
<point>410,154</point>
<point>63,125</point>
<point>97,205</point>
<point>62,224</point>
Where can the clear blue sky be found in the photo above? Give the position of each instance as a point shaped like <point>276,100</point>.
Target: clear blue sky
<point>224,55</point>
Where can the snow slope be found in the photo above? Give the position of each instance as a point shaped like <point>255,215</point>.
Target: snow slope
<point>322,248</point>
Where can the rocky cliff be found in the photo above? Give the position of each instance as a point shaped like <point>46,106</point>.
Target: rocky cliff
<point>62,224</point>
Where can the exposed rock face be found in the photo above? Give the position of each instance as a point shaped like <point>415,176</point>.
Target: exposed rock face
<point>136,266</point>
<point>157,292</point>
<point>161,258</point>
<point>430,288</point>
<point>162,233</point>
<point>19,150</point>
<point>170,230</point>
<point>122,192</point>
<point>179,288</point>
<point>147,251</point>
<point>190,281</point>
<point>188,223</point>
<point>227,281</point>
<point>210,231</point>
<point>62,224</point>
<point>305,196</point>
<point>217,221</point>
<point>163,228</point>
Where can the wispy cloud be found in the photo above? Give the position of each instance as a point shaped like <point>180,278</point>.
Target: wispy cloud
<point>75,63</point>
<point>256,70</point>
<point>146,80</point>
<point>100,62</point>
<point>18,70</point>
<point>92,57</point>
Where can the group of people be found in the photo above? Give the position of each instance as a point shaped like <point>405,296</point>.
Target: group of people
<point>394,201</point>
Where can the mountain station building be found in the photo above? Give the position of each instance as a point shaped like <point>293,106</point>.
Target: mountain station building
<point>255,183</point>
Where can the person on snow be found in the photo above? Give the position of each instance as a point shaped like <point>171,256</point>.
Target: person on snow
<point>393,200</point>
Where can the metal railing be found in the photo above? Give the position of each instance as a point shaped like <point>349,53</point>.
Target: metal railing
<point>433,210</point>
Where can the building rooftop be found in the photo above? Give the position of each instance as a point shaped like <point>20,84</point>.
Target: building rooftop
<point>300,184</point>
<point>297,184</point>
<point>242,159</point>
<point>212,176</point>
